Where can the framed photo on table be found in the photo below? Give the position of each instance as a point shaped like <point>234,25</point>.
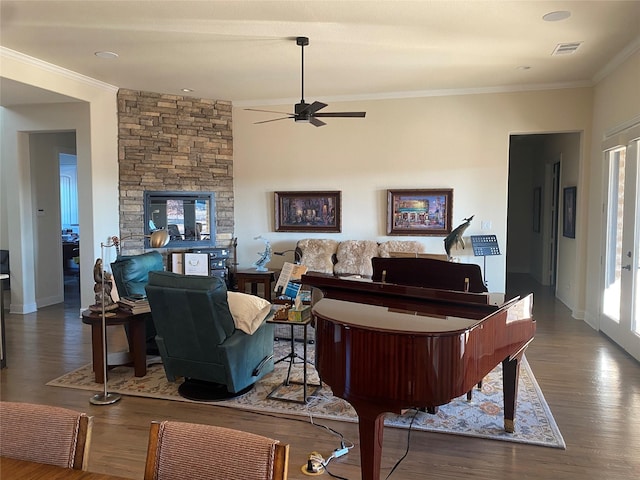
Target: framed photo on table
<point>419,212</point>
<point>311,211</point>
<point>196,264</point>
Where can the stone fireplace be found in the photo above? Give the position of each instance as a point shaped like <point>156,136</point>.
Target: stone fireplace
<point>173,143</point>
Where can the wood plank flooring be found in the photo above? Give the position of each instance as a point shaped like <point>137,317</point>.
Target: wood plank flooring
<point>592,387</point>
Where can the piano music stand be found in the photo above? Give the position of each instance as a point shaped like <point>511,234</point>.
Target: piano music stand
<point>485,246</point>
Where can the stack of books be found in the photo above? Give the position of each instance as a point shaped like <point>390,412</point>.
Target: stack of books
<point>135,304</point>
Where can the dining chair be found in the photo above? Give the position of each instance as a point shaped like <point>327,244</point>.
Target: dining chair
<point>179,450</point>
<point>45,434</point>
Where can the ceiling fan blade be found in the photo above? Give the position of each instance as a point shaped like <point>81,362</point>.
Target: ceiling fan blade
<point>314,121</point>
<point>273,120</point>
<point>342,114</point>
<point>267,111</point>
<point>313,108</point>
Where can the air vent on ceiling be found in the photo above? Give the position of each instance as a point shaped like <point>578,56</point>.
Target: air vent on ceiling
<point>566,48</point>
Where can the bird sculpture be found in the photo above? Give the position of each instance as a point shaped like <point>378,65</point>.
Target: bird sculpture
<point>102,289</point>
<point>265,256</point>
<point>455,237</point>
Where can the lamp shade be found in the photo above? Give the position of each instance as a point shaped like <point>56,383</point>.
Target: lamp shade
<point>159,239</point>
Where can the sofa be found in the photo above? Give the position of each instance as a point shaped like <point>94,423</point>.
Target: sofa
<point>349,257</point>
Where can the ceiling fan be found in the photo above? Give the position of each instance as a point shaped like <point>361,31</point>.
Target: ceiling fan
<point>305,112</point>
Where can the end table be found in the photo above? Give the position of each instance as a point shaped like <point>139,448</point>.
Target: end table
<point>254,278</point>
<point>137,343</point>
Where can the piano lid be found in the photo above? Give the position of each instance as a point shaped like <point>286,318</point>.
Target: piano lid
<point>377,317</point>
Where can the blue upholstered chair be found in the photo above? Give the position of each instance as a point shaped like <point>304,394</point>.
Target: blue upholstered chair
<point>131,274</point>
<point>198,339</point>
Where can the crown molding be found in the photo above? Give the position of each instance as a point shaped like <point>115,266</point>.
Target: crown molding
<point>423,93</point>
<point>55,69</point>
<point>618,60</point>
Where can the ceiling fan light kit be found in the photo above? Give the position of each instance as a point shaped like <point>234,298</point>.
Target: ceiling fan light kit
<point>308,112</point>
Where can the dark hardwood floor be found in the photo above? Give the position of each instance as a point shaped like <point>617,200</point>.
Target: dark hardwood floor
<point>592,387</point>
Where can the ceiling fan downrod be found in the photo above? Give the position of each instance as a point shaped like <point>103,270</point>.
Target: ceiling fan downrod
<point>302,42</point>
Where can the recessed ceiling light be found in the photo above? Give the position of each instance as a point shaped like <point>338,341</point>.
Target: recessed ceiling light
<point>107,55</point>
<point>186,90</point>
<point>523,67</point>
<point>556,16</point>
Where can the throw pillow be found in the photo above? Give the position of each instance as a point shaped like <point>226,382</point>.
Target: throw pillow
<point>248,311</point>
<point>386,248</point>
<point>318,254</point>
<point>354,257</point>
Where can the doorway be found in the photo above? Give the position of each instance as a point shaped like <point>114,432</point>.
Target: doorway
<point>620,312</point>
<point>70,226</point>
<point>46,152</point>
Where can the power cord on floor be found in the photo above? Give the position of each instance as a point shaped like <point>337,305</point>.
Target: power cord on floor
<point>345,445</point>
<point>415,413</point>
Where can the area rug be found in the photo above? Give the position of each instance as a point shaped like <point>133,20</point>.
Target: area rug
<point>481,417</point>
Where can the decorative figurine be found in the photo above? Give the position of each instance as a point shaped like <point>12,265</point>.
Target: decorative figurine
<point>455,237</point>
<point>102,289</point>
<point>265,257</point>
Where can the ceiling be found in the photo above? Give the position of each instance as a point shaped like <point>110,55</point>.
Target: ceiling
<point>245,51</point>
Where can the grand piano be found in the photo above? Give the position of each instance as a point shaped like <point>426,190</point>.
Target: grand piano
<point>385,347</point>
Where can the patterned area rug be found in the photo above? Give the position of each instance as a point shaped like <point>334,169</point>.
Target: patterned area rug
<point>481,417</point>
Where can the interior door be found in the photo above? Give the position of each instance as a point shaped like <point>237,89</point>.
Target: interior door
<point>620,316</point>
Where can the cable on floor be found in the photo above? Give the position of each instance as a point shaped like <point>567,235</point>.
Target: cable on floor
<point>415,413</point>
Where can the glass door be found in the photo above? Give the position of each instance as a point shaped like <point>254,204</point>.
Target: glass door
<point>620,319</point>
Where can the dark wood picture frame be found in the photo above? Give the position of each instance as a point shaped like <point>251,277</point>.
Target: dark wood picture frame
<point>308,211</point>
<point>569,212</point>
<point>419,212</point>
<point>537,205</point>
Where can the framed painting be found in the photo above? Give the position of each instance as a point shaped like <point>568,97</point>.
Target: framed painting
<point>308,211</point>
<point>569,212</point>
<point>419,212</point>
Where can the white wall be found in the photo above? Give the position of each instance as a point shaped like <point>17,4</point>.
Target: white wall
<point>94,119</point>
<point>459,142</point>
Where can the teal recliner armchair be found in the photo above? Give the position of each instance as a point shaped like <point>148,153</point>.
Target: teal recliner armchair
<point>131,273</point>
<point>198,339</point>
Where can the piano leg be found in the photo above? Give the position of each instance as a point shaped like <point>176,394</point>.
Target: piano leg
<point>371,429</point>
<point>511,375</point>
<point>470,392</point>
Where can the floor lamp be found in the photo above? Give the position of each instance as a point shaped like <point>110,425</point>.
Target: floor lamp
<point>158,239</point>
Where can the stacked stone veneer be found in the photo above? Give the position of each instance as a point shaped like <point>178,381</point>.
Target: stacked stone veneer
<point>173,143</point>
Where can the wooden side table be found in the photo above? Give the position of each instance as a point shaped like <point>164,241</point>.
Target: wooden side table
<point>137,342</point>
<point>254,278</point>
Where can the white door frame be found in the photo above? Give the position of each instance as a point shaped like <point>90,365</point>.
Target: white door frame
<point>624,331</point>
